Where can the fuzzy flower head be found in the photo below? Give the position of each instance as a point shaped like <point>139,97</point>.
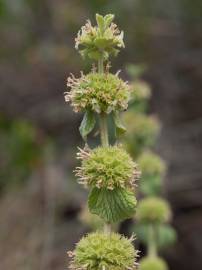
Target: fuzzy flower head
<point>98,92</point>
<point>99,41</point>
<point>107,167</point>
<point>98,251</point>
<point>151,164</point>
<point>153,210</point>
<point>153,263</point>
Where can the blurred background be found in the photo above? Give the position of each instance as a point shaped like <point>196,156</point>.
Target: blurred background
<point>40,200</point>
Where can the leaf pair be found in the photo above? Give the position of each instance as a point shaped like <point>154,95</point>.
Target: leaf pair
<point>88,124</point>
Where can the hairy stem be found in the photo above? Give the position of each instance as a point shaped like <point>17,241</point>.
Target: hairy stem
<point>104,130</point>
<point>104,133</point>
<point>152,249</point>
<point>100,65</point>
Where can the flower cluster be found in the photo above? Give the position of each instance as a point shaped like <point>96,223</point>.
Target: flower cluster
<point>153,263</point>
<point>153,210</point>
<point>107,167</point>
<point>98,251</point>
<point>104,92</point>
<point>99,41</point>
<point>151,164</point>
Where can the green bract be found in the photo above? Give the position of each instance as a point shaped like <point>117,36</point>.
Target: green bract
<point>153,210</point>
<point>98,251</point>
<point>153,263</point>
<point>107,167</point>
<point>101,93</point>
<point>99,41</point>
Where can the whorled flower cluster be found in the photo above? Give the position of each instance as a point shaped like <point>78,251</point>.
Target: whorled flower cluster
<point>107,167</point>
<point>153,263</point>
<point>98,251</point>
<point>101,93</point>
<point>99,41</point>
<point>153,210</point>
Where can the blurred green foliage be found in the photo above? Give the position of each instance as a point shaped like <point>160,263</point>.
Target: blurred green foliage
<point>21,151</point>
<point>142,131</point>
<point>165,235</point>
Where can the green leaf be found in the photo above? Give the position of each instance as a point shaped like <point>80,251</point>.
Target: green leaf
<point>100,22</point>
<point>108,19</point>
<point>165,235</point>
<point>119,127</point>
<point>151,184</point>
<point>87,124</point>
<point>112,205</point>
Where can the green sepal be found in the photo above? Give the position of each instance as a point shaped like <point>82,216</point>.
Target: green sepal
<point>119,127</point>
<point>87,124</point>
<point>112,205</point>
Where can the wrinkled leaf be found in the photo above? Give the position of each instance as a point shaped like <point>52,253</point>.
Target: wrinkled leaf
<point>100,22</point>
<point>119,127</point>
<point>112,205</point>
<point>108,19</point>
<point>87,124</point>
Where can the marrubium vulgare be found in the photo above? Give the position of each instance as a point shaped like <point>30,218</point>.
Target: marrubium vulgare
<point>107,171</point>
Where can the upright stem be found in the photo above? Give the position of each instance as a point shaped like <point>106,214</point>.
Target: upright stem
<point>103,133</point>
<point>152,249</point>
<point>104,130</point>
<point>100,65</point>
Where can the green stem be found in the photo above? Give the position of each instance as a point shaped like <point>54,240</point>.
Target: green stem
<point>104,134</point>
<point>104,130</point>
<point>101,65</point>
<point>152,249</point>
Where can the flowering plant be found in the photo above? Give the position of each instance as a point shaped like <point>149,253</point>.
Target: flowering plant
<point>107,171</point>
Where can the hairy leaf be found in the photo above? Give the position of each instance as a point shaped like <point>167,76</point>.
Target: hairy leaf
<point>108,19</point>
<point>100,22</point>
<point>112,205</point>
<point>87,124</point>
<point>119,127</point>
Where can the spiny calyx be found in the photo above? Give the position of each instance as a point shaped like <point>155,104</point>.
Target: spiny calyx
<point>107,167</point>
<point>98,251</point>
<point>100,93</point>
